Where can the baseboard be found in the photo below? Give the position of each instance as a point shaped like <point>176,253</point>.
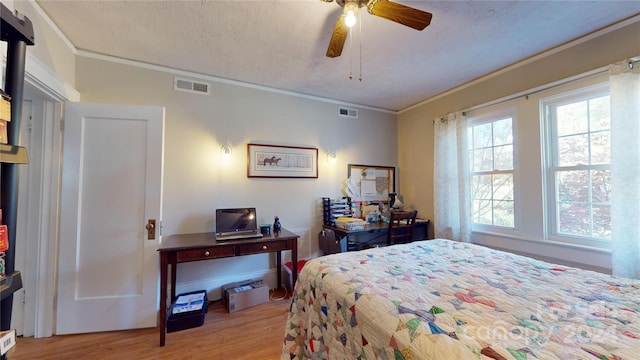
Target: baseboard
<point>214,284</point>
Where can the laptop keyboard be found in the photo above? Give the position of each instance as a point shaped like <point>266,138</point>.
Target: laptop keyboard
<point>251,235</point>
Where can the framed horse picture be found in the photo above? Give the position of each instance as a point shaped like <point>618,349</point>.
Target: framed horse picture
<point>279,161</point>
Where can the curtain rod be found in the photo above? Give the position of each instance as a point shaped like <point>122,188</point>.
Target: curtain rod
<point>528,92</point>
<point>540,88</point>
<point>531,91</point>
<point>631,63</point>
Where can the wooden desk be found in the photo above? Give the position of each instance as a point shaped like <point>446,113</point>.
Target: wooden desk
<point>421,231</point>
<point>203,246</point>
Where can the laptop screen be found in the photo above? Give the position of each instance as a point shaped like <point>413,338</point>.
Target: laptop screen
<point>235,220</point>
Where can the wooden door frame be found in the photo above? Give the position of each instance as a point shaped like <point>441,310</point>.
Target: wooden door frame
<point>40,80</point>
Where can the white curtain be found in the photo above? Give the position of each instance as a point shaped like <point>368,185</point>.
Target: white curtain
<point>452,217</point>
<point>625,169</point>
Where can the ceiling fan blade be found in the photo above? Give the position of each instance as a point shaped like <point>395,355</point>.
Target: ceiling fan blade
<point>399,13</point>
<point>338,37</point>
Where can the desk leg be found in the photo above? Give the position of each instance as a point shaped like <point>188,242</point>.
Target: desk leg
<point>174,270</point>
<point>162,322</point>
<point>294,262</point>
<point>279,268</point>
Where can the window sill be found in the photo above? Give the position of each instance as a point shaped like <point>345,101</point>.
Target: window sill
<point>513,235</point>
<point>556,252</point>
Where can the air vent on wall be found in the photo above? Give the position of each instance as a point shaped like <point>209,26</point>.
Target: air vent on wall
<point>346,112</point>
<point>192,86</point>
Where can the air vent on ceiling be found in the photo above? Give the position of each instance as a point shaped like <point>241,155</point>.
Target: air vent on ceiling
<point>346,112</point>
<point>192,86</point>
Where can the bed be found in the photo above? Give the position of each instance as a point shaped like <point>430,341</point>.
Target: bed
<point>441,299</point>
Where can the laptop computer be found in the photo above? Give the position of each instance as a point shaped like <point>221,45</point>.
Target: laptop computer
<point>236,223</point>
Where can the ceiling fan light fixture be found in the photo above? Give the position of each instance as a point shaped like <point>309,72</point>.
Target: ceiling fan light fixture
<point>350,20</point>
<point>350,10</point>
<point>398,13</point>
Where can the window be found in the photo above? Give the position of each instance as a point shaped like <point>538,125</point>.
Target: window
<point>491,159</point>
<point>578,164</point>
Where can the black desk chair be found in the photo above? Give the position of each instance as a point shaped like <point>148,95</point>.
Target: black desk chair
<point>401,225</point>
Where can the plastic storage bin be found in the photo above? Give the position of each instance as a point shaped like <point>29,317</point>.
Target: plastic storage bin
<point>187,311</point>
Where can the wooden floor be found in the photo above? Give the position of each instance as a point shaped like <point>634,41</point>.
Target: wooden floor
<point>255,333</point>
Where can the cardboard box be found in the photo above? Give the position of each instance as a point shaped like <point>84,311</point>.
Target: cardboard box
<point>244,294</point>
<point>187,311</point>
<point>7,341</point>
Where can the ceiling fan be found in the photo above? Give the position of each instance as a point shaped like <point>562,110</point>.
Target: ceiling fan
<point>399,13</point>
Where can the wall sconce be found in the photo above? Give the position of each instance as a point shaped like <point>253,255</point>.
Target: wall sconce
<point>331,157</point>
<point>226,150</point>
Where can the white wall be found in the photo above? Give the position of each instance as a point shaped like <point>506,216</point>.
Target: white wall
<point>198,180</point>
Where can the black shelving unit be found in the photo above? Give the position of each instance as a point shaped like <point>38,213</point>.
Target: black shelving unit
<point>335,208</point>
<point>17,31</point>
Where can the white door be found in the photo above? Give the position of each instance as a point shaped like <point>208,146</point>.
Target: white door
<point>111,188</point>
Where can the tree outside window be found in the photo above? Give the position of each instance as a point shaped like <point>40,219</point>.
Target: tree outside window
<point>579,170</point>
<point>491,164</point>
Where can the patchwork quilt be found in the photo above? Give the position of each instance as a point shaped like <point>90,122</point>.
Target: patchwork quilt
<point>440,299</point>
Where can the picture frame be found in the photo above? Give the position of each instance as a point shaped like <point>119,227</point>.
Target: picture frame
<point>280,161</point>
<point>370,182</point>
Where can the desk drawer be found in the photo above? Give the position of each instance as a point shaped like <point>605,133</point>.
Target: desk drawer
<point>262,247</point>
<point>206,253</point>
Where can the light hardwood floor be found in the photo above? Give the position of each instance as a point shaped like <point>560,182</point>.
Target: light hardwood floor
<point>255,333</point>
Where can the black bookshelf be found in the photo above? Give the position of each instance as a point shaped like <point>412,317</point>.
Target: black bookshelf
<point>17,31</point>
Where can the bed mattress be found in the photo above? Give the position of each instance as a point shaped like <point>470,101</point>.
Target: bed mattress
<point>441,299</point>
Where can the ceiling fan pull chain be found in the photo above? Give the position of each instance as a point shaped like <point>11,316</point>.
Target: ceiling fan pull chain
<point>350,54</point>
<point>361,40</point>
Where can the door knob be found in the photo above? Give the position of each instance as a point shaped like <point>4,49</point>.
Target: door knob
<point>151,229</point>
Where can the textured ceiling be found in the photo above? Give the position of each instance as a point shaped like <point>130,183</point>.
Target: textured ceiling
<point>282,44</point>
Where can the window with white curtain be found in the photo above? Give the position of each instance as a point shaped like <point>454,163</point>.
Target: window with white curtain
<point>491,165</point>
<point>539,165</point>
<point>578,170</point>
